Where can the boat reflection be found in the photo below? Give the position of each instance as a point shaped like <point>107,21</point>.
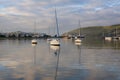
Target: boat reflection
<point>79,49</point>
<point>31,70</point>
<point>57,65</point>
<point>34,45</point>
<point>56,50</point>
<point>79,46</point>
<point>34,53</point>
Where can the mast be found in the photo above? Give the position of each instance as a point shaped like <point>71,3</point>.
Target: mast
<point>34,27</point>
<point>115,31</point>
<point>34,41</point>
<point>49,30</point>
<point>80,28</point>
<point>56,22</point>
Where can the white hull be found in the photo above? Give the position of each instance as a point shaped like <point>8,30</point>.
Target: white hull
<point>34,41</point>
<point>78,40</point>
<point>108,38</point>
<point>55,42</point>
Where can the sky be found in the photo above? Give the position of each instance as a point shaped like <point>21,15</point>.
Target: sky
<point>22,15</point>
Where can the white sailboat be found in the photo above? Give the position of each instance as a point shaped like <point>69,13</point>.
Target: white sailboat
<point>77,39</point>
<point>34,41</point>
<point>55,41</point>
<point>108,38</point>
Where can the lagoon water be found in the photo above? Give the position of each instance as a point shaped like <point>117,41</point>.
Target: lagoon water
<point>91,60</point>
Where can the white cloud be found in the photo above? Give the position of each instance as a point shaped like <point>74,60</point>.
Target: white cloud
<point>21,14</point>
<point>14,11</point>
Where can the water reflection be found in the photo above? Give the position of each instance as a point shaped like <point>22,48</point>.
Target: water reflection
<point>70,61</point>
<point>56,50</point>
<point>79,56</point>
<point>31,69</point>
<point>111,44</point>
<point>34,53</point>
<point>79,45</point>
<point>101,44</point>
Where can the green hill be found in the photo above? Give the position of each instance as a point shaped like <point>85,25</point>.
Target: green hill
<point>98,31</point>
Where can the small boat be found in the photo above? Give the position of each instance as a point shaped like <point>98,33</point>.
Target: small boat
<point>77,38</point>
<point>108,38</point>
<point>55,42</point>
<point>34,41</point>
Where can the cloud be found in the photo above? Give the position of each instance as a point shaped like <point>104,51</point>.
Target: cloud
<point>14,11</point>
<point>22,14</point>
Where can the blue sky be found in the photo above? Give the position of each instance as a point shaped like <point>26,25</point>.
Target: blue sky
<point>21,14</point>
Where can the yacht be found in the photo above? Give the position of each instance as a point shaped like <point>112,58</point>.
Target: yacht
<point>55,41</point>
<point>34,41</point>
<point>77,38</point>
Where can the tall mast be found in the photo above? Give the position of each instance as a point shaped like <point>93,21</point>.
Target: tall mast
<point>34,27</point>
<point>49,30</point>
<point>56,22</point>
<point>79,28</point>
<point>115,31</point>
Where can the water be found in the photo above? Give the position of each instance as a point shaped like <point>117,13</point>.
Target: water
<point>91,60</point>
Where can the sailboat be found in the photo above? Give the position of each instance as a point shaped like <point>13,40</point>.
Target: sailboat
<point>34,41</point>
<point>77,39</point>
<point>55,41</point>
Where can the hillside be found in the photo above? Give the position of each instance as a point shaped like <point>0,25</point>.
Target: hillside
<point>98,31</point>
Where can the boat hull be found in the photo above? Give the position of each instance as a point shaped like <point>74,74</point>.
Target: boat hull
<point>55,42</point>
<point>78,40</point>
<point>108,38</point>
<point>34,42</point>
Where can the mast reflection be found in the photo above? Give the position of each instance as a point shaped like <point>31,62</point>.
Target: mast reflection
<point>34,53</point>
<point>33,68</point>
<point>56,50</point>
<point>79,51</point>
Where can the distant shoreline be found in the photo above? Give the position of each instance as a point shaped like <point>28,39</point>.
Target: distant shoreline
<point>96,31</point>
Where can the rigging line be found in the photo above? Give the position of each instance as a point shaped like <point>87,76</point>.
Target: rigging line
<point>56,22</point>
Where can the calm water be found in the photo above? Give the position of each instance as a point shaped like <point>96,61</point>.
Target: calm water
<point>91,60</point>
